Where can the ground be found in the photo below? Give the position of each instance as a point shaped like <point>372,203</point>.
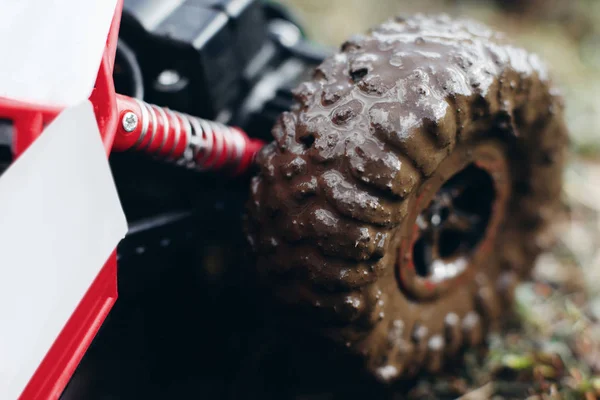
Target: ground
<point>550,349</point>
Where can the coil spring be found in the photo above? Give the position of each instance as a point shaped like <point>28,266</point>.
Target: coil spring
<point>189,141</point>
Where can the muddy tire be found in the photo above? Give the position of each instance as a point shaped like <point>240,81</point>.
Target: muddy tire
<point>409,190</point>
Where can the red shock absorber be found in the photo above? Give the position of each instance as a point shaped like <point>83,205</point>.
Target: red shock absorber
<point>177,137</point>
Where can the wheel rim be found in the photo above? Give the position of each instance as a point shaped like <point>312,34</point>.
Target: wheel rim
<point>454,221</point>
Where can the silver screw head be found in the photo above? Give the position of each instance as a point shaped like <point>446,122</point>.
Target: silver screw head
<point>129,121</point>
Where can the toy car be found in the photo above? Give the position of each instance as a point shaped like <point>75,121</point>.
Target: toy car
<point>408,188</point>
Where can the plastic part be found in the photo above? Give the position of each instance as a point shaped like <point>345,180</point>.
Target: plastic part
<point>57,246</point>
<point>193,41</point>
<point>33,68</point>
<point>208,43</point>
<point>248,25</point>
<point>29,121</point>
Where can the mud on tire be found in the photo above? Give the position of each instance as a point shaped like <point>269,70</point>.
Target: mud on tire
<point>382,125</point>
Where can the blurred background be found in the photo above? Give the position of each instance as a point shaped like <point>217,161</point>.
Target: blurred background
<point>552,350</point>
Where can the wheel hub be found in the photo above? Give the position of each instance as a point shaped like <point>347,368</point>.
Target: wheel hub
<point>455,221</point>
